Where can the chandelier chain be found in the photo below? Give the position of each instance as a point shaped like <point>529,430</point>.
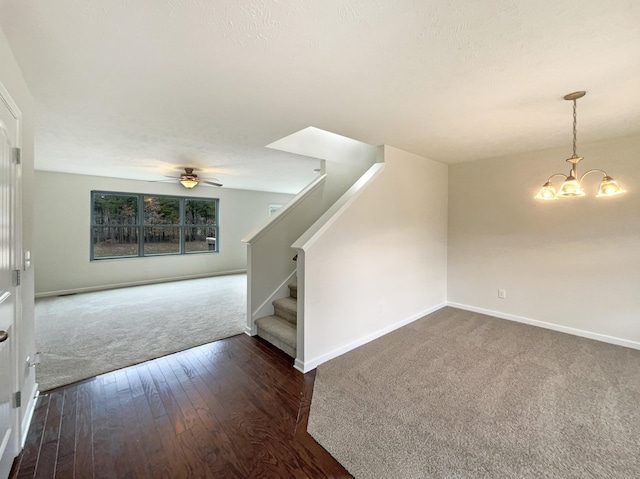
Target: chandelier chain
<point>575,123</point>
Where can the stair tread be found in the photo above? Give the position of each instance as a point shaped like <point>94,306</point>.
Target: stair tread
<point>280,328</point>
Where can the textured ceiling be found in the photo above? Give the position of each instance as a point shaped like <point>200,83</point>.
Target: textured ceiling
<point>141,89</point>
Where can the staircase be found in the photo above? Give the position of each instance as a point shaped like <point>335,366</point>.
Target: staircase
<point>280,329</point>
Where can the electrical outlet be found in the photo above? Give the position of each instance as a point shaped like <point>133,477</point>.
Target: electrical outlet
<point>502,293</point>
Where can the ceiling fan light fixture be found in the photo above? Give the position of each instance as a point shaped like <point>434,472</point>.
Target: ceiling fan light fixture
<point>572,187</point>
<point>189,182</point>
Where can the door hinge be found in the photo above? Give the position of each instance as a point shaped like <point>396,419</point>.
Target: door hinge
<point>17,155</point>
<point>16,277</point>
<point>17,399</point>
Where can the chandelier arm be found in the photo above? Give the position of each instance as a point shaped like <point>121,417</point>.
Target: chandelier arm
<point>558,174</point>
<point>592,171</point>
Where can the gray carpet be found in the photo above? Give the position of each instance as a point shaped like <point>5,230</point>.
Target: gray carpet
<point>87,334</point>
<point>459,394</point>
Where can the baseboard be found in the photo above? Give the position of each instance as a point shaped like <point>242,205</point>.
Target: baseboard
<point>555,327</point>
<point>299,365</point>
<point>249,331</point>
<point>306,366</point>
<point>30,407</point>
<point>105,287</point>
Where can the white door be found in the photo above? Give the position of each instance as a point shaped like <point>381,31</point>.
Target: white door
<point>9,237</point>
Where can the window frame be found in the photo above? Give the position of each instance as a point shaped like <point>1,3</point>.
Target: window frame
<point>140,225</point>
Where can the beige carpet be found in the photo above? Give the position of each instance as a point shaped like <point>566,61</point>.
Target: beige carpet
<point>463,395</point>
<point>87,334</point>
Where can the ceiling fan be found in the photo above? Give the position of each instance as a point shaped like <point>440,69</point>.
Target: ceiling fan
<point>189,179</point>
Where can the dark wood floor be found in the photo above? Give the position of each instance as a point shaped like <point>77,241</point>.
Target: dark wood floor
<point>233,408</point>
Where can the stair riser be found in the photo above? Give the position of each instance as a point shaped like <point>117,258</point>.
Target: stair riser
<point>291,351</point>
<point>293,292</point>
<point>290,316</point>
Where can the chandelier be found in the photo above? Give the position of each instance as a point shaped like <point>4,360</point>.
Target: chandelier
<point>572,186</point>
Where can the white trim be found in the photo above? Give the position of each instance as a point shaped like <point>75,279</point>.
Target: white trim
<point>337,209</point>
<point>555,327</point>
<point>28,414</point>
<point>299,365</point>
<point>250,324</point>
<point>249,331</point>
<point>306,366</point>
<point>300,304</point>
<point>104,287</point>
<point>16,252</point>
<point>12,106</point>
<point>284,211</point>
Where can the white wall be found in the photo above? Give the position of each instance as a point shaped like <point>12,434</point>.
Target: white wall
<point>61,247</point>
<point>381,260</point>
<point>11,78</point>
<point>574,263</point>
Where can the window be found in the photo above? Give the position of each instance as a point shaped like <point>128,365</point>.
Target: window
<point>128,224</point>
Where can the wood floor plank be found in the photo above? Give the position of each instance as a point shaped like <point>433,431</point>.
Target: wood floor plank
<point>149,387</point>
<point>130,426</point>
<point>50,437</point>
<point>216,448</point>
<point>265,396</point>
<point>223,398</point>
<point>66,446</point>
<point>235,408</point>
<point>167,397</point>
<point>147,433</point>
<point>103,463</point>
<point>193,457</point>
<point>254,429</point>
<point>189,414</point>
<point>28,459</point>
<point>84,432</point>
<point>127,432</point>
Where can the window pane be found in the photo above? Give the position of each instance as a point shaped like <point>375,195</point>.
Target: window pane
<point>200,238</point>
<point>199,212</point>
<point>160,210</point>
<point>110,241</point>
<point>113,209</point>
<point>161,239</point>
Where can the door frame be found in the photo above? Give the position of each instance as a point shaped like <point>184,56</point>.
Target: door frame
<point>16,264</point>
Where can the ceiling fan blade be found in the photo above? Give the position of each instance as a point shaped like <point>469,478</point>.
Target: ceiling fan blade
<point>210,183</point>
<point>163,181</point>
